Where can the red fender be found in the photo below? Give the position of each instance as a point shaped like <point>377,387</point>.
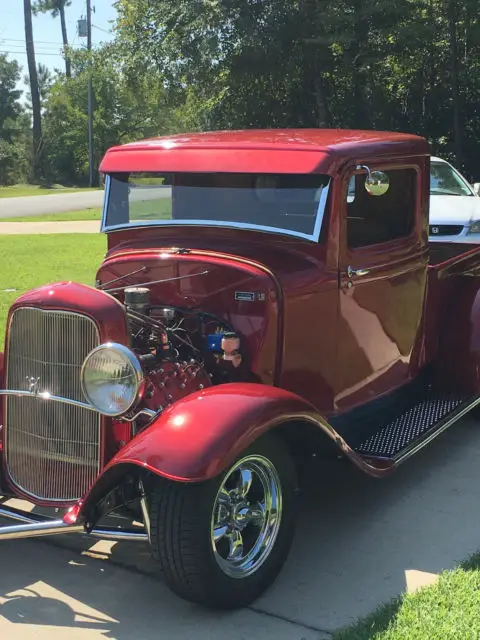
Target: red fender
<point>199,436</point>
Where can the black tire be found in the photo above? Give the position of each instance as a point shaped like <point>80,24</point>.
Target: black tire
<point>181,533</point>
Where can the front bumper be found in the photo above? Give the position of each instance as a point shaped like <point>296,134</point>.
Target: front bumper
<point>460,238</point>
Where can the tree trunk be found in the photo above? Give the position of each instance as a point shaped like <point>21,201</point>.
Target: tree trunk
<point>68,63</point>
<point>454,73</point>
<point>361,112</point>
<point>32,70</point>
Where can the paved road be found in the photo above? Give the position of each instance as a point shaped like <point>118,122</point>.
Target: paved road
<point>60,202</point>
<point>56,203</point>
<point>360,542</point>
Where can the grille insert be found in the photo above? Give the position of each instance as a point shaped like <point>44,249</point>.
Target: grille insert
<point>52,450</point>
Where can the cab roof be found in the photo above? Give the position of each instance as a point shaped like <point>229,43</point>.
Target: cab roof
<point>260,150</point>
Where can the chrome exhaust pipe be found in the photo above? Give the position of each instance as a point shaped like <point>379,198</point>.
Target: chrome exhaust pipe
<point>35,525</point>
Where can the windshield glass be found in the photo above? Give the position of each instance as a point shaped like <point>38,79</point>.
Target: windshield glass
<point>292,204</point>
<point>445,181</point>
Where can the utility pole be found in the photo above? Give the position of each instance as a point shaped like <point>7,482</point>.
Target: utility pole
<point>90,92</point>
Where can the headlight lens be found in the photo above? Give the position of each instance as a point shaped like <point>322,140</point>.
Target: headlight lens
<point>474,227</point>
<point>112,378</point>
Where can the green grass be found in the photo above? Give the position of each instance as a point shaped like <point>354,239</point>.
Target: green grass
<point>29,261</point>
<point>18,190</point>
<point>447,610</point>
<point>83,214</point>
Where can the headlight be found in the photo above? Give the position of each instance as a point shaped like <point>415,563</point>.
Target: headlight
<point>112,378</point>
<point>474,227</point>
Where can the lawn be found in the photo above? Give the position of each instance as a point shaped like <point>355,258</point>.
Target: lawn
<point>448,610</point>
<point>18,190</point>
<point>82,214</point>
<point>29,261</point>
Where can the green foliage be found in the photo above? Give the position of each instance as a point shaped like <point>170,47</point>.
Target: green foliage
<point>126,107</point>
<point>402,65</point>
<point>354,63</point>
<point>13,125</point>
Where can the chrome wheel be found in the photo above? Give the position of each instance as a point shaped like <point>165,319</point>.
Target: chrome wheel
<point>246,516</point>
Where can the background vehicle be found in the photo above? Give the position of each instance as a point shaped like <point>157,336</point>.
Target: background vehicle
<point>454,205</point>
<point>249,312</point>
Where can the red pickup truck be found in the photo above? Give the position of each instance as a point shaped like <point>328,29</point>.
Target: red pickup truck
<point>251,309</point>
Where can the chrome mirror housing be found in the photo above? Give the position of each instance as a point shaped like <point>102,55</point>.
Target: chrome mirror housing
<point>377,183</point>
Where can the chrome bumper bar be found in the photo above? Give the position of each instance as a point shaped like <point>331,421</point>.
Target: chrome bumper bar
<point>34,525</point>
<point>45,395</point>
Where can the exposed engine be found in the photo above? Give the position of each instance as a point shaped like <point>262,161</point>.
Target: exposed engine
<point>181,350</point>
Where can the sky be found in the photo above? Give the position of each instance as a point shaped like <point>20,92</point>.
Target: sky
<point>47,34</point>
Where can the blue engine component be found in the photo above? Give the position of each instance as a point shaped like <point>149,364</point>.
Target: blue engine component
<point>214,341</point>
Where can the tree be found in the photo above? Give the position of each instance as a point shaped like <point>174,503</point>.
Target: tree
<point>411,65</point>
<point>126,108</point>
<point>34,90</point>
<point>13,125</point>
<point>57,8</point>
<point>45,81</point>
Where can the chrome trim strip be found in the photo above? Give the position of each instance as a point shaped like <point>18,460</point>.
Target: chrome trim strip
<point>230,225</point>
<point>106,199</point>
<point>45,395</point>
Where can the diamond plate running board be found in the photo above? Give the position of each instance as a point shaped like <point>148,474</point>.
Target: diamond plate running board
<point>417,426</point>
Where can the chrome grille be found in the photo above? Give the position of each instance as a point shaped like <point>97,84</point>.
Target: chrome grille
<point>52,450</point>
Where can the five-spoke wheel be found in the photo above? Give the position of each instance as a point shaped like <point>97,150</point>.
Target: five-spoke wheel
<point>221,543</point>
<point>246,516</point>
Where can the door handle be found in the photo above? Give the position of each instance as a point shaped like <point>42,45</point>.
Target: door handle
<point>356,272</point>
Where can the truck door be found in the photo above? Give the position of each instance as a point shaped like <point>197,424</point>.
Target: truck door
<point>383,269</point>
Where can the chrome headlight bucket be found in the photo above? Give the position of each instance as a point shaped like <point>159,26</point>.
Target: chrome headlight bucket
<point>112,379</point>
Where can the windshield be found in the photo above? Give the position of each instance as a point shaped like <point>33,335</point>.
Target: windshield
<point>445,181</point>
<point>291,204</point>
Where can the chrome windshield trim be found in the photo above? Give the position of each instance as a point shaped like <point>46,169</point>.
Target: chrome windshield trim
<point>45,395</point>
<point>104,228</point>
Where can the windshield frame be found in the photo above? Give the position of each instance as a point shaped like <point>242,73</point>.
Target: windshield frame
<point>462,179</point>
<point>313,237</point>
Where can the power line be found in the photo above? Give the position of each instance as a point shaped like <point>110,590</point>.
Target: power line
<point>43,42</point>
<point>24,53</point>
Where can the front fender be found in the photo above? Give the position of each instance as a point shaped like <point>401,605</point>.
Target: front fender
<point>196,438</point>
<point>201,435</point>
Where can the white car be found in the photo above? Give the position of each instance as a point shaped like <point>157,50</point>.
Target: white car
<point>454,205</point>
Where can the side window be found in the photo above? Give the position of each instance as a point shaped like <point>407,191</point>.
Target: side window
<point>376,219</point>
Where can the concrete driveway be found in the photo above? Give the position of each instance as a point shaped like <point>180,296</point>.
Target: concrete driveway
<point>55,203</point>
<point>360,542</point>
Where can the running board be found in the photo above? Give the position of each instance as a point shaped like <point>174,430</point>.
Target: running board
<point>35,526</point>
<point>416,427</point>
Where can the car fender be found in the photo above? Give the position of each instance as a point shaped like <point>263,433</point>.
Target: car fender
<point>201,435</point>
<point>458,358</point>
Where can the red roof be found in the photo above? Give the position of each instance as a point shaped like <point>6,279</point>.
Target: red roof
<point>253,150</point>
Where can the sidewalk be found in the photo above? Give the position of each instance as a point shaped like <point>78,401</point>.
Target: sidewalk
<point>16,228</point>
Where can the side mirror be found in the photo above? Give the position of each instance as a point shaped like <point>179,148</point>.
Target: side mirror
<point>377,183</point>
<point>476,188</point>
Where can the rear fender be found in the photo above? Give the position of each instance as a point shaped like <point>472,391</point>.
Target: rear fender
<point>458,358</point>
<point>201,435</point>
